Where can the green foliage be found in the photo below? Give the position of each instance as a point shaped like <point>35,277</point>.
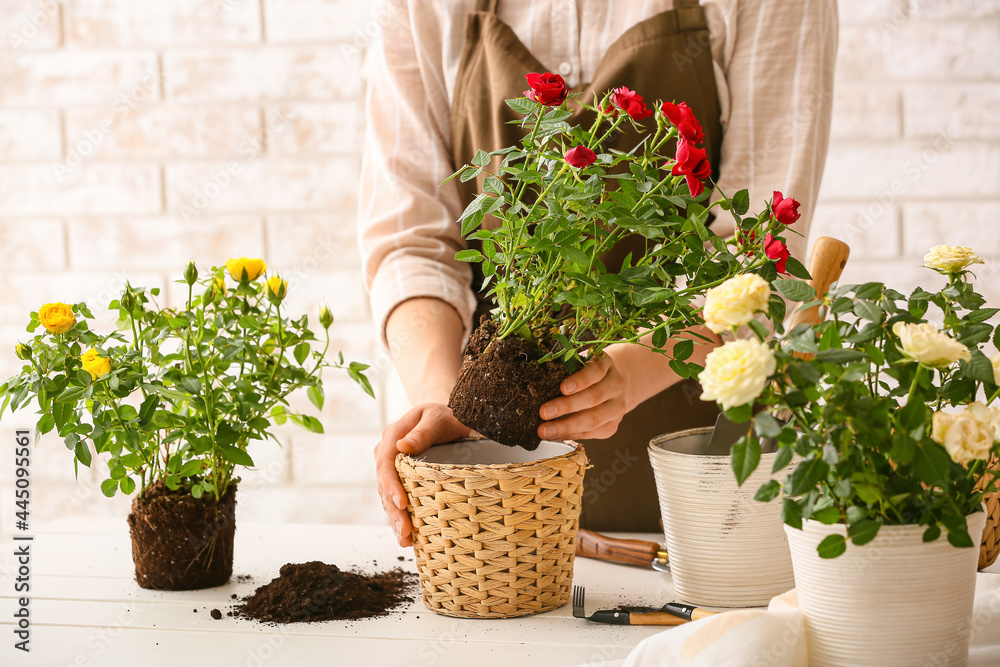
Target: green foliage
<point>862,414</point>
<point>188,389</point>
<point>542,261</point>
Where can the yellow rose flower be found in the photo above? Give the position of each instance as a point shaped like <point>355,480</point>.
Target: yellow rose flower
<point>56,317</point>
<point>95,365</point>
<point>927,345</point>
<point>22,351</point>
<point>950,258</point>
<point>241,268</point>
<point>968,435</point>
<point>276,288</point>
<point>736,373</point>
<point>734,302</point>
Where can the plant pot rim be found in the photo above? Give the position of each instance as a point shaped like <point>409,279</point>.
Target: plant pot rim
<point>418,462</point>
<point>841,528</point>
<point>657,449</point>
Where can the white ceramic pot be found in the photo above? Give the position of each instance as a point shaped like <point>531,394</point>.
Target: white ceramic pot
<point>726,549</point>
<point>894,602</point>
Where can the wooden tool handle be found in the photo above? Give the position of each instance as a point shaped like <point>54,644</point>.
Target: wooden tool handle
<point>656,618</point>
<point>702,613</point>
<point>829,256</point>
<point>630,552</point>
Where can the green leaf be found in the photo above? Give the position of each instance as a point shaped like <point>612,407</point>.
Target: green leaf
<point>832,546</point>
<point>867,310</point>
<point>190,469</point>
<point>521,105</point>
<point>864,531</point>
<point>931,463</point>
<point>741,202</point>
<point>109,486</point>
<point>235,455</point>
<point>197,490</point>
<point>279,414</point>
<point>190,384</point>
<point>127,485</point>
<point>959,537</point>
<point>659,338</point>
<point>828,515</point>
<point>795,290</point>
<point>912,415</point>
<point>932,533</point>
<point>302,351</point>
<point>470,255</point>
<point>309,423</point>
<point>315,395</point>
<point>791,513</point>
<point>82,452</point>
<point>225,434</point>
<point>481,158</point>
<point>783,458</point>
<point>740,413</point>
<point>683,349</point>
<point>797,269</point>
<point>978,367</point>
<point>839,356</point>
<point>744,458</point>
<point>807,475</point>
<point>768,491</point>
<point>45,423</point>
<point>766,426</point>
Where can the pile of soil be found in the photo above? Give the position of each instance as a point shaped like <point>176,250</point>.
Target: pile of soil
<point>316,591</point>
<point>180,542</point>
<point>502,386</point>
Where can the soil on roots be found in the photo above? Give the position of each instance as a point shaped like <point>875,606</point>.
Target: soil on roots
<point>180,542</point>
<point>501,387</point>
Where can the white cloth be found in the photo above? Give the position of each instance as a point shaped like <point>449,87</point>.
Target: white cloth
<point>775,637</point>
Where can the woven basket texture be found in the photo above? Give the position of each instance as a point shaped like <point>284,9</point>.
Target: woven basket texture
<point>495,541</point>
<point>990,548</point>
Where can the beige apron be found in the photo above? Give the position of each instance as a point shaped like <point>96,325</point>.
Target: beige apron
<point>666,57</point>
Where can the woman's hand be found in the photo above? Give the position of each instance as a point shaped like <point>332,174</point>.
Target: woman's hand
<point>593,403</point>
<point>424,425</point>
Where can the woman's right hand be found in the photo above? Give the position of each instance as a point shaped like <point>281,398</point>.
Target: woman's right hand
<point>424,425</point>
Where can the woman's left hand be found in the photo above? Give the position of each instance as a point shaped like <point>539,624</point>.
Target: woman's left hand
<point>592,405</point>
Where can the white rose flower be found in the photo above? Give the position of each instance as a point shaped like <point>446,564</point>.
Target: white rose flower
<point>924,343</point>
<point>995,360</point>
<point>736,373</point>
<point>987,416</point>
<point>968,435</point>
<point>734,302</point>
<point>950,258</point>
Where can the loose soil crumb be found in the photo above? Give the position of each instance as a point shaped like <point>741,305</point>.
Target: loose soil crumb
<point>501,387</point>
<point>244,578</point>
<point>316,591</point>
<point>233,596</point>
<point>216,614</point>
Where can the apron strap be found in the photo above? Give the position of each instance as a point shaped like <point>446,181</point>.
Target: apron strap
<point>690,15</point>
<point>489,6</point>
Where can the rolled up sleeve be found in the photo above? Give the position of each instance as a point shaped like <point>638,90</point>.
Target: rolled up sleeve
<point>407,232</point>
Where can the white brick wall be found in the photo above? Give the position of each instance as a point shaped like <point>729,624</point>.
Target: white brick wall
<point>137,135</point>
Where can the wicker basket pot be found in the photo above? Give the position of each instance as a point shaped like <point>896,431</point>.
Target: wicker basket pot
<point>726,549</point>
<point>990,548</point>
<point>494,527</point>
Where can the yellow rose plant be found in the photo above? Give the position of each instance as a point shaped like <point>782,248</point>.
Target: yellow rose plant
<point>175,394</point>
<point>891,397</point>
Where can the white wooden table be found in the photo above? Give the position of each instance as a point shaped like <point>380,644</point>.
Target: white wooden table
<point>86,608</point>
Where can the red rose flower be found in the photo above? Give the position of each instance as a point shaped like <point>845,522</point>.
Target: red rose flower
<point>580,156</point>
<point>786,211</point>
<point>692,163</point>
<point>630,102</point>
<point>776,249</point>
<point>683,119</point>
<point>548,89</point>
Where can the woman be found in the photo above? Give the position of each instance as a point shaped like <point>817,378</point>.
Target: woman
<point>759,77</point>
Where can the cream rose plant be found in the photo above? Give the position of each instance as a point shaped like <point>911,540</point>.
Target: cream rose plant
<point>893,417</point>
<point>734,303</point>
<point>950,258</point>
